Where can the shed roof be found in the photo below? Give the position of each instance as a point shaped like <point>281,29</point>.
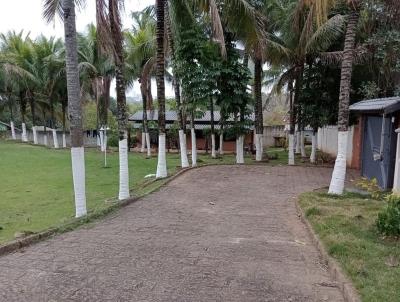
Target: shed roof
<point>171,116</point>
<point>384,105</point>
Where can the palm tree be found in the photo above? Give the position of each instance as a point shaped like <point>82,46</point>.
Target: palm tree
<point>114,20</point>
<point>140,61</point>
<point>160,72</point>
<point>176,83</point>
<point>339,171</point>
<point>67,7</point>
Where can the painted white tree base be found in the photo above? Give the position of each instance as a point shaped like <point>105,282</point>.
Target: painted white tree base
<point>34,132</point>
<point>302,146</point>
<point>291,150</point>
<point>64,141</point>
<point>239,150</point>
<point>298,151</point>
<point>336,186</point>
<point>78,175</point>
<point>183,148</point>
<point>123,170</point>
<point>221,144</point>
<point>148,144</point>
<point>213,151</point>
<point>194,147</point>
<point>14,137</point>
<point>259,146</point>
<point>143,145</point>
<point>24,137</point>
<point>162,158</point>
<point>313,149</point>
<point>102,141</point>
<point>55,139</point>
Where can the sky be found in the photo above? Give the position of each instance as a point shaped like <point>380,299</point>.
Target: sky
<point>26,15</point>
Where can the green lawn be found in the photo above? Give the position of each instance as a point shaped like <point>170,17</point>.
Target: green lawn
<point>346,225</point>
<point>36,184</point>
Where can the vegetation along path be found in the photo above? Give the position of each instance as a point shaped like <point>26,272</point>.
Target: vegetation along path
<point>218,233</point>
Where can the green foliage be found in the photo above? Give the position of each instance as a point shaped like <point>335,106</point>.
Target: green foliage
<point>372,187</point>
<point>388,222</point>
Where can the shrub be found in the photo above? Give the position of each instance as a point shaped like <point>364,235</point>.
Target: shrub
<point>388,221</point>
<point>372,187</point>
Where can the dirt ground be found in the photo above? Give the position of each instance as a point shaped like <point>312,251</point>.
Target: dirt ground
<point>218,233</point>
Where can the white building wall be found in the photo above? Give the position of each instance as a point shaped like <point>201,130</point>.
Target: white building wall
<point>328,141</point>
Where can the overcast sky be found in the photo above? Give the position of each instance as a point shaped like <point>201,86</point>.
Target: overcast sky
<point>26,15</point>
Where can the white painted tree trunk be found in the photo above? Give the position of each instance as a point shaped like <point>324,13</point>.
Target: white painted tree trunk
<point>298,137</point>
<point>239,150</point>
<point>64,141</point>
<point>213,151</point>
<point>143,143</point>
<point>98,140</point>
<point>24,137</point>
<point>105,141</point>
<point>259,147</point>
<point>45,139</point>
<point>14,137</point>
<point>34,132</point>
<point>183,148</point>
<point>123,169</point>
<point>302,146</point>
<point>339,172</point>
<point>221,144</point>
<point>313,149</point>
<point>291,150</point>
<point>78,172</point>
<point>194,147</point>
<point>102,141</point>
<point>162,158</point>
<point>55,139</point>
<point>148,144</point>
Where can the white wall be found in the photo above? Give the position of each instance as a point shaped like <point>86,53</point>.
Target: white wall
<point>327,141</point>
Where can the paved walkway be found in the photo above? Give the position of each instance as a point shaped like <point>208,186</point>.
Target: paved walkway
<point>213,234</point>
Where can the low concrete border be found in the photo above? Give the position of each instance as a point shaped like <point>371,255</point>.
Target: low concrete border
<point>349,292</point>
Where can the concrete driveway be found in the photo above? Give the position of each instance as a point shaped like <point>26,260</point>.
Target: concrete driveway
<point>218,233</point>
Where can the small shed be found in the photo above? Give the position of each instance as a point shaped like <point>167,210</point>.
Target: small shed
<point>378,120</point>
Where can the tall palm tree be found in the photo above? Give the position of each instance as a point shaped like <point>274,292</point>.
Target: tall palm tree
<point>176,83</point>
<point>160,72</point>
<point>339,172</point>
<point>114,18</point>
<point>140,62</point>
<point>67,7</point>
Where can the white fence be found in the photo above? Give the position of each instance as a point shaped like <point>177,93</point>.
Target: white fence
<point>270,132</point>
<point>89,140</point>
<point>328,141</point>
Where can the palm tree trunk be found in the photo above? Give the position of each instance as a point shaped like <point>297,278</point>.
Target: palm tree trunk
<point>258,109</point>
<point>160,71</point>
<point>313,155</point>
<point>74,108</point>
<point>213,152</point>
<point>13,136</point>
<point>33,112</point>
<point>181,132</point>
<point>116,33</point>
<point>292,125</point>
<point>64,139</point>
<point>24,136</point>
<point>339,172</point>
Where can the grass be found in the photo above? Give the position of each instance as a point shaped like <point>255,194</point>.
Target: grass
<point>346,226</point>
<point>36,184</point>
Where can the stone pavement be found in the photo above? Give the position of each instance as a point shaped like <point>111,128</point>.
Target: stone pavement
<point>219,233</point>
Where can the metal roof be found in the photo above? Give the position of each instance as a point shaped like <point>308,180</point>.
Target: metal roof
<point>384,105</point>
<point>171,116</point>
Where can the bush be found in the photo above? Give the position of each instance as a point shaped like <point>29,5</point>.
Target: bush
<point>372,187</point>
<point>388,221</point>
